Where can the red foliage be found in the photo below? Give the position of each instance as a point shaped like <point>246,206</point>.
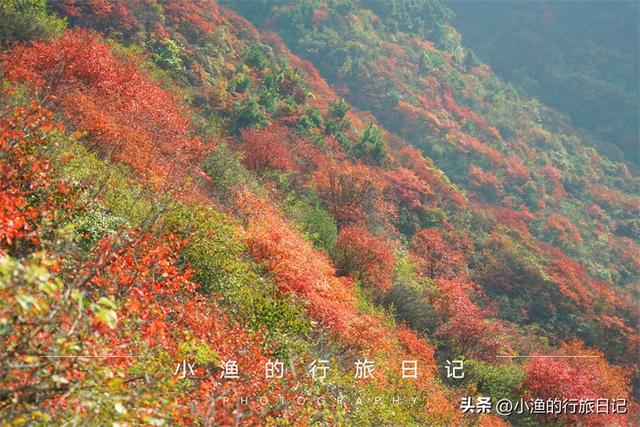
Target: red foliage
<point>353,193</point>
<point>628,252</point>
<point>435,256</point>
<point>470,144</point>
<point>486,420</point>
<point>572,279</point>
<point>612,198</point>
<point>319,16</point>
<point>129,117</point>
<point>407,188</point>
<point>104,14</point>
<point>413,115</point>
<point>158,306</point>
<point>419,348</point>
<point>562,230</point>
<point>412,159</point>
<point>554,177</point>
<point>464,326</point>
<point>485,181</point>
<point>298,268</point>
<point>516,219</point>
<point>25,177</point>
<point>267,149</point>
<point>240,24</point>
<point>162,303</point>
<point>365,257</point>
<point>190,18</point>
<point>516,169</point>
<point>193,18</point>
<point>466,113</point>
<point>415,345</point>
<point>587,376</point>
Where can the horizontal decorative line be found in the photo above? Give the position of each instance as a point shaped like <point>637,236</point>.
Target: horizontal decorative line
<point>550,356</point>
<point>104,356</point>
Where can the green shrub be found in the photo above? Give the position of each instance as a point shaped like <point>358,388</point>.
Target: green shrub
<point>370,146</point>
<point>256,56</point>
<point>217,253</point>
<point>166,54</point>
<point>247,113</point>
<point>240,83</point>
<point>227,172</point>
<point>24,20</point>
<point>339,109</point>
<point>317,223</point>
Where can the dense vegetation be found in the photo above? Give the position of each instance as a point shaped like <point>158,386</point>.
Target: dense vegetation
<point>583,61</point>
<point>180,182</point>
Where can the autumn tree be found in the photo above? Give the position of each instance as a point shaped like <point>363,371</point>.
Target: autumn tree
<point>486,183</point>
<point>466,328</point>
<point>116,14</point>
<point>267,149</point>
<point>436,256</point>
<point>408,189</point>
<point>559,230</point>
<point>365,257</point>
<point>352,193</point>
<point>577,372</point>
<point>129,118</point>
<point>29,194</point>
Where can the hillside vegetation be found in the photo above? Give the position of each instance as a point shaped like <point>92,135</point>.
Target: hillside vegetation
<point>584,61</point>
<point>252,181</point>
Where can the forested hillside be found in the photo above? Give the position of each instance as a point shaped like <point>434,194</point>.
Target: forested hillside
<point>583,61</point>
<point>186,184</point>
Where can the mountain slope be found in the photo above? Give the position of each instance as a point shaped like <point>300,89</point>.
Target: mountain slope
<point>582,61</point>
<point>219,201</point>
